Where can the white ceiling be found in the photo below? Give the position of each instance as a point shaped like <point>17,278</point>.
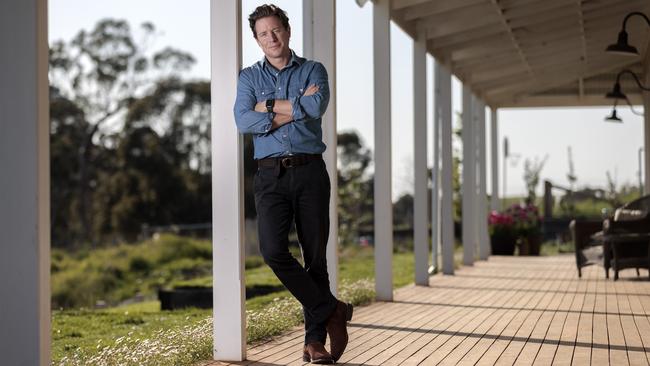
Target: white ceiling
<point>525,53</point>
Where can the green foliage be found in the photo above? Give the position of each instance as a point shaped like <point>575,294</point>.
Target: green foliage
<point>115,334</point>
<point>355,190</point>
<point>112,275</point>
<point>155,170</point>
<point>532,171</point>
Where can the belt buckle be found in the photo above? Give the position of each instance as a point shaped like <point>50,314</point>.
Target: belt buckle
<point>287,162</point>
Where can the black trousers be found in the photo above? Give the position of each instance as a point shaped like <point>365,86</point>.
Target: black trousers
<point>298,194</point>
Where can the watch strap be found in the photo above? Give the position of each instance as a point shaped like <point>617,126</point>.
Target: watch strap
<point>269,105</point>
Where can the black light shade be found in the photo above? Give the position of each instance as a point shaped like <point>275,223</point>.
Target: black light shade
<point>621,47</point>
<point>616,93</point>
<point>613,117</point>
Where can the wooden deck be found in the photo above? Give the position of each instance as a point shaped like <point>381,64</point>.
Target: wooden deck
<point>505,311</point>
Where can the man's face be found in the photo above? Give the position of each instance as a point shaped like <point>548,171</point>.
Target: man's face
<point>272,37</point>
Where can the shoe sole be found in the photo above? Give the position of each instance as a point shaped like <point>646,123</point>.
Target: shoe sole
<point>322,361</point>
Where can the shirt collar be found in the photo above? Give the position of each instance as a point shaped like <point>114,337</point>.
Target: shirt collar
<point>295,59</point>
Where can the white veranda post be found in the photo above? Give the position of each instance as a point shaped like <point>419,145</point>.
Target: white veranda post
<point>482,209</point>
<point>469,179</point>
<point>420,200</point>
<point>24,184</point>
<point>494,158</point>
<point>383,201</point>
<point>319,43</point>
<point>443,104</point>
<point>227,187</point>
<point>646,141</point>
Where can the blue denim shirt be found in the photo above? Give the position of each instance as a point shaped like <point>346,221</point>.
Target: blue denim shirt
<point>262,81</point>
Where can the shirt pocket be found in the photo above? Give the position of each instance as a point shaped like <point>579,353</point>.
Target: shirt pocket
<point>264,94</point>
<point>296,89</point>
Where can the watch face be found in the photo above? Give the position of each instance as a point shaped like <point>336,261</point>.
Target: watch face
<point>269,105</point>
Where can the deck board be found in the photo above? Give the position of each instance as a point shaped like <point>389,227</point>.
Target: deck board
<point>504,311</point>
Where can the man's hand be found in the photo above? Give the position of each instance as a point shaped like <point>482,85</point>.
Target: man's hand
<point>311,90</point>
<point>280,120</point>
<point>261,106</point>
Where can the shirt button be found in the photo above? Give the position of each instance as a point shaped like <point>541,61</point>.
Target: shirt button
<point>279,88</point>
<point>284,136</point>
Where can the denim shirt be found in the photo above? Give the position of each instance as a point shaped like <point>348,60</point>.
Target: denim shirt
<point>262,81</point>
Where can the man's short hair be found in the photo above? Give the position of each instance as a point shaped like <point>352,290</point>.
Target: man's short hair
<point>268,10</point>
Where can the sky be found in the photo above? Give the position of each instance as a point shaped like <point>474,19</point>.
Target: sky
<point>598,147</point>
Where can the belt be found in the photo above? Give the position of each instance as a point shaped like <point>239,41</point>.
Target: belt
<point>288,161</point>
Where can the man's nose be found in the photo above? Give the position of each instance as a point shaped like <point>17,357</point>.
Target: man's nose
<point>274,37</point>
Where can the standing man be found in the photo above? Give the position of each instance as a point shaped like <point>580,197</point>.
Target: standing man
<point>280,101</point>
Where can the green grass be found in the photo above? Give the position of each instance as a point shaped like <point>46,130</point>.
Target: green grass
<point>114,274</point>
<point>130,334</point>
<point>553,248</point>
<point>114,333</point>
<point>74,330</point>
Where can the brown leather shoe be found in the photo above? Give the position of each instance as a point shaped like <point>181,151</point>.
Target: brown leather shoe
<point>337,328</point>
<point>316,353</point>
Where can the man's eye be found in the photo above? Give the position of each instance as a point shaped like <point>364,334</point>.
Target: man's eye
<point>262,34</point>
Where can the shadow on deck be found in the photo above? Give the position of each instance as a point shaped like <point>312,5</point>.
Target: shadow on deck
<point>506,310</point>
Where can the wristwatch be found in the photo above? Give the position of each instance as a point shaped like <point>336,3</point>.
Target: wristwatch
<point>269,105</point>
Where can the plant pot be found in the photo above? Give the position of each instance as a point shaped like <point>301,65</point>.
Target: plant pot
<point>503,243</point>
<point>534,242</point>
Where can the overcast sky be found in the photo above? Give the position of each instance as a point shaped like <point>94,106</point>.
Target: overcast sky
<point>597,146</point>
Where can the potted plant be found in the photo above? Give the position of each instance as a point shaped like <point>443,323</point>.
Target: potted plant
<point>502,233</point>
<point>528,226</point>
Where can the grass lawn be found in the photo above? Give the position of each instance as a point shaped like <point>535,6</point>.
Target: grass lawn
<point>85,332</point>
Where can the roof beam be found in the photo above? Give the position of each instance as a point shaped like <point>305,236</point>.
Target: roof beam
<point>544,17</point>
<point>530,87</point>
<point>532,9</point>
<point>486,30</point>
<point>438,28</point>
<point>496,39</point>
<point>507,4</point>
<point>401,4</point>
<point>583,41</point>
<point>557,11</point>
<point>481,50</point>
<point>513,38</point>
<point>559,35</point>
<point>561,100</point>
<point>437,7</point>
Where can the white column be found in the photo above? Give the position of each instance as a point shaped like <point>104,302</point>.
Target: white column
<point>646,129</point>
<point>227,187</point>
<point>435,171</point>
<point>24,184</point>
<point>443,103</point>
<point>319,37</point>
<point>469,179</point>
<point>383,194</point>
<point>308,29</point>
<point>484,240</point>
<point>420,199</point>
<point>494,157</point>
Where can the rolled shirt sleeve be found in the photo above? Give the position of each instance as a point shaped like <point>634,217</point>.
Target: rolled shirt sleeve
<point>246,118</point>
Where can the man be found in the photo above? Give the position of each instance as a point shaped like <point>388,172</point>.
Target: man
<point>280,101</point>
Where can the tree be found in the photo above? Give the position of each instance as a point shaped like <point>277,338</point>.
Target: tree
<point>532,171</point>
<point>98,79</point>
<point>354,188</point>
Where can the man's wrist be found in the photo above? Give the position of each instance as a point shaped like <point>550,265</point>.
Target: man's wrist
<point>270,103</point>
